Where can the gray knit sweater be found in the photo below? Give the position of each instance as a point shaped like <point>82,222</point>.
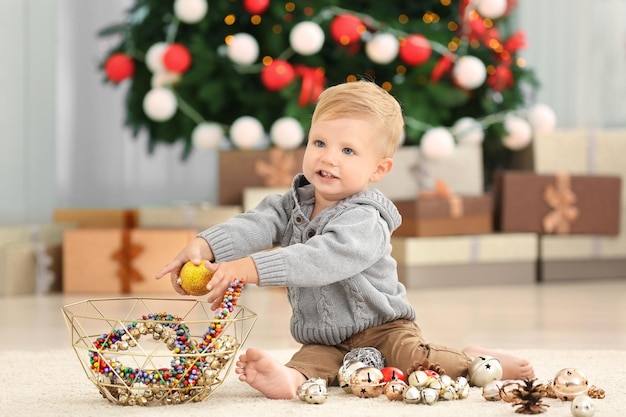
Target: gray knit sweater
<point>338,269</point>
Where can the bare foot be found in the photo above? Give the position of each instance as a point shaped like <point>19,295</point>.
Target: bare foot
<point>513,367</point>
<point>266,375</point>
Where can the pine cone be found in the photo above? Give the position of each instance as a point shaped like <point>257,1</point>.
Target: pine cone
<point>595,392</point>
<point>527,397</point>
<point>425,365</point>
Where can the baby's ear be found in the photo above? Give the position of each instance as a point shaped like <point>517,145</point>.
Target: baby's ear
<point>383,168</point>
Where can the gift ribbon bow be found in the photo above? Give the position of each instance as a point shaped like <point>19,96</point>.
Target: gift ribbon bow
<point>561,199</point>
<point>126,254</point>
<point>313,81</point>
<point>280,169</point>
<point>442,190</point>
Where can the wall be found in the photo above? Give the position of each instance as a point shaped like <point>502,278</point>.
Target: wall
<point>63,143</point>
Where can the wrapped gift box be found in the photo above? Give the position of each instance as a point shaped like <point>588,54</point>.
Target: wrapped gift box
<point>185,216</point>
<point>412,173</point>
<point>31,258</point>
<point>240,169</point>
<point>94,258</point>
<point>561,204</point>
<point>582,152</point>
<point>445,216</point>
<point>95,217</point>
<point>491,259</point>
<point>582,257</point>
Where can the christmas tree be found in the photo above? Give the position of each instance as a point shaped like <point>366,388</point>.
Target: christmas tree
<point>219,73</point>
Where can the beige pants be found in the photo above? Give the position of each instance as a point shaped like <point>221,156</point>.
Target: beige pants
<point>400,342</point>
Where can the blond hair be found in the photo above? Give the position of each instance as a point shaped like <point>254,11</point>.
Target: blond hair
<point>367,101</point>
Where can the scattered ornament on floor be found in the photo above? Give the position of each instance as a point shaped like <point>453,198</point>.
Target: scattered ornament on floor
<point>345,372</point>
<point>367,382</point>
<point>484,369</point>
<point>313,391</point>
<point>582,406</point>
<point>596,393</point>
<point>527,395</point>
<point>394,390</point>
<point>569,383</point>
<point>491,390</point>
<point>368,355</point>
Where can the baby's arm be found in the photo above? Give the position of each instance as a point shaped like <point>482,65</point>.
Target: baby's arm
<point>195,251</point>
<point>224,273</point>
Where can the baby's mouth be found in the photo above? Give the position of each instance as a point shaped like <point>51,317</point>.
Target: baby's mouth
<point>325,174</point>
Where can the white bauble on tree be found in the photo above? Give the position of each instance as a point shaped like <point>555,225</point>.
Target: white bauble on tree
<point>307,38</point>
<point>437,143</point>
<point>247,132</point>
<point>492,9</point>
<point>468,131</point>
<point>190,11</point>
<point>542,118</point>
<point>159,104</point>
<point>469,72</point>
<point>243,49</point>
<point>154,57</point>
<point>287,133</point>
<point>382,48</point>
<point>519,132</point>
<point>207,135</point>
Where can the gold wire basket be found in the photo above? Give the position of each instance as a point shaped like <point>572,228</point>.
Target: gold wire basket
<point>155,351</point>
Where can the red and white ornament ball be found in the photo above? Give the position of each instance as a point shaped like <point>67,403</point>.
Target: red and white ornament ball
<point>207,136</point>
<point>382,48</point>
<point>246,132</point>
<point>437,143</point>
<point>256,6</point>
<point>307,38</point>
<point>415,50</point>
<point>287,133</point>
<point>277,75</point>
<point>119,67</point>
<point>160,104</point>
<point>243,49</point>
<point>469,72</point>
<point>346,29</point>
<point>176,58</point>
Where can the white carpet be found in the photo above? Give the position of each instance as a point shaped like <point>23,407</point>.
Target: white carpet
<point>53,384</point>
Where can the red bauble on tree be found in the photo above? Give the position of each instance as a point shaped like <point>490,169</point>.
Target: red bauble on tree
<point>118,67</point>
<point>415,50</point>
<point>277,75</point>
<point>501,79</point>
<point>346,29</point>
<point>177,58</point>
<point>256,6</point>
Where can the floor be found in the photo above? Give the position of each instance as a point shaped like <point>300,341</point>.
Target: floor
<point>564,315</point>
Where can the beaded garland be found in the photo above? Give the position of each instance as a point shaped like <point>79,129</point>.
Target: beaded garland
<point>184,371</point>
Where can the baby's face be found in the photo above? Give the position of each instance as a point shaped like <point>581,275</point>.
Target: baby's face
<point>342,157</point>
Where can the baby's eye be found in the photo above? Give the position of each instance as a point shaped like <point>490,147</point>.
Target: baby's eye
<point>318,143</point>
<point>348,151</point>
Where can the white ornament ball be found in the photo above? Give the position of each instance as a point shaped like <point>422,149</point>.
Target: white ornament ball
<point>468,131</point>
<point>246,132</point>
<point>190,11</point>
<point>164,78</point>
<point>542,118</point>
<point>437,143</point>
<point>469,72</point>
<point>154,57</point>
<point>519,133</point>
<point>207,135</point>
<point>159,104</point>
<point>306,38</point>
<point>287,133</point>
<point>243,49</point>
<point>491,9</point>
<point>483,370</point>
<point>582,406</point>
<point>382,48</point>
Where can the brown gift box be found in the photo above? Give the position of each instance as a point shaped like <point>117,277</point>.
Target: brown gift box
<point>439,216</point>
<point>241,169</point>
<point>94,260</point>
<point>95,217</point>
<point>560,204</point>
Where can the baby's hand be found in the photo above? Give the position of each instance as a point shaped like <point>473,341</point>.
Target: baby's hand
<point>195,251</point>
<point>224,273</point>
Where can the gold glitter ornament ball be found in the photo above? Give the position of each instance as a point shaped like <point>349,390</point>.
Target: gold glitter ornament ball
<point>194,278</point>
